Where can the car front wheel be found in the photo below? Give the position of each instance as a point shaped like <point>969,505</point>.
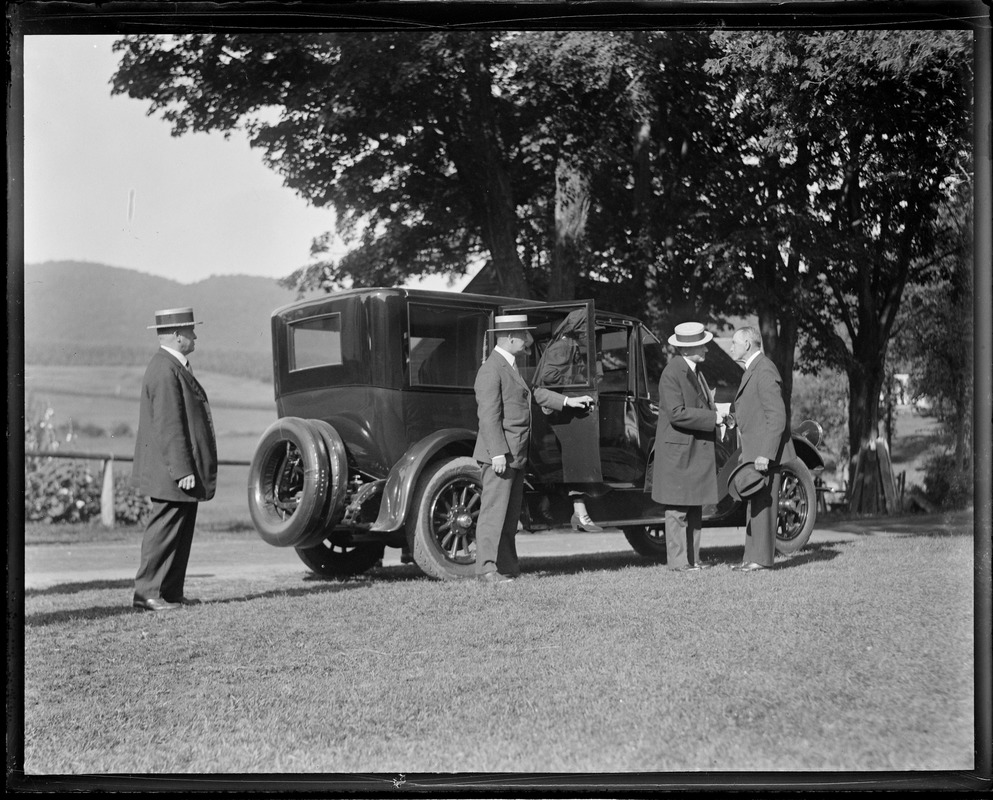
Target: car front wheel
<point>797,507</point>
<point>647,541</point>
<point>441,526</point>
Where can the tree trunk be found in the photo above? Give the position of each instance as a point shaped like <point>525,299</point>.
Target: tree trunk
<point>572,207</point>
<point>865,380</point>
<point>644,252</point>
<point>477,152</point>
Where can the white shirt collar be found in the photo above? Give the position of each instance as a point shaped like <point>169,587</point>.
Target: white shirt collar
<point>180,356</point>
<point>752,357</point>
<point>509,356</point>
<point>691,363</point>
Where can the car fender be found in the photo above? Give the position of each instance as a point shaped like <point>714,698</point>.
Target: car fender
<point>402,480</point>
<point>805,451</point>
<point>808,454</point>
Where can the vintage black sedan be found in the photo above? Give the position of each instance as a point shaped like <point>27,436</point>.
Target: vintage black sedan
<point>377,421</point>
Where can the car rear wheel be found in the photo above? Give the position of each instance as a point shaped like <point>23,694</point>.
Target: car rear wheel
<point>288,483</point>
<point>797,507</point>
<point>336,561</point>
<point>441,528</point>
<point>647,541</point>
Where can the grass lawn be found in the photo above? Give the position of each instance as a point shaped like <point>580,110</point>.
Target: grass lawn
<point>851,656</point>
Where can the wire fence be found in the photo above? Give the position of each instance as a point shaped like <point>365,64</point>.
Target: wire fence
<point>107,473</point>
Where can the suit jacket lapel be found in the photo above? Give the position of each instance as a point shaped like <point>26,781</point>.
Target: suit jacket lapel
<point>691,376</point>
<point>505,365</point>
<point>188,376</point>
<point>749,371</point>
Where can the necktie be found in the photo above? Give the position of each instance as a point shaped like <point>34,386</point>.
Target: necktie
<point>189,367</point>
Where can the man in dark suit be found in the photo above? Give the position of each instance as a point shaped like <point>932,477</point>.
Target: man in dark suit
<point>760,414</point>
<point>175,462</point>
<point>503,401</point>
<point>685,472</point>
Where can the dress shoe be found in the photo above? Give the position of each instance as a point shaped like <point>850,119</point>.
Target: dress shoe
<point>685,568</point>
<point>155,604</point>
<point>751,566</point>
<point>186,601</point>
<point>584,523</point>
<point>493,577</point>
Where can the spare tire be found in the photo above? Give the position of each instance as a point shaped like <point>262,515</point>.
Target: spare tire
<point>288,482</point>
<point>335,457</point>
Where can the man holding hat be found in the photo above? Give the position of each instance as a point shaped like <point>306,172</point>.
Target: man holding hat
<point>503,401</point>
<point>685,472</point>
<point>175,462</point>
<point>766,442</point>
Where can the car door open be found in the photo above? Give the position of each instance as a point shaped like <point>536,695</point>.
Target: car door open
<point>565,445</point>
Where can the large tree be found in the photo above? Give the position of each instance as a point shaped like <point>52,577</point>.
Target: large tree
<point>566,158</point>
<point>853,142</point>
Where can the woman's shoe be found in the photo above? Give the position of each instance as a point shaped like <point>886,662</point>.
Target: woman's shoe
<point>584,523</point>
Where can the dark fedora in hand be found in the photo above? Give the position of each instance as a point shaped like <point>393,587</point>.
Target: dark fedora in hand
<point>745,481</point>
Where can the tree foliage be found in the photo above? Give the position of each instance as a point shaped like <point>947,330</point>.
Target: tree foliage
<point>799,176</point>
<point>934,335</point>
<point>858,140</point>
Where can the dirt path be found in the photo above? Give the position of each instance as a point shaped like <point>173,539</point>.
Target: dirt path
<point>246,555</point>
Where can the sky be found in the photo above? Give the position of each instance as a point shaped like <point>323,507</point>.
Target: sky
<point>103,182</point>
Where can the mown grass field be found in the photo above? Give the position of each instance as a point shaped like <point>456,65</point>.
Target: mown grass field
<point>850,656</point>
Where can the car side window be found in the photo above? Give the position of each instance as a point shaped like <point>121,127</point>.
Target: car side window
<point>315,342</point>
<point>612,359</point>
<point>445,344</point>
<point>654,362</point>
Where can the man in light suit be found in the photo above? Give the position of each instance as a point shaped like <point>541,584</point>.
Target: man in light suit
<point>760,414</point>
<point>503,401</point>
<point>685,472</point>
<point>175,462</point>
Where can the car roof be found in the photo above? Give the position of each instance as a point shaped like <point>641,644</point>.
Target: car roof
<point>433,294</point>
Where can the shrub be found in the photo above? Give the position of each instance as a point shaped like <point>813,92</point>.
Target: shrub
<point>64,490</point>
<point>946,484</point>
<point>61,490</point>
<point>130,506</point>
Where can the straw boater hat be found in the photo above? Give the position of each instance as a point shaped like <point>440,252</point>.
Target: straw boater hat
<point>505,323</point>
<point>174,318</point>
<point>690,334</point>
<point>745,480</point>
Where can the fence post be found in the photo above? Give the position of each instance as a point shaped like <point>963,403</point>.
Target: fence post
<point>107,494</point>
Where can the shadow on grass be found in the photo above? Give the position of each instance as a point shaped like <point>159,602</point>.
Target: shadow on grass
<point>75,588</point>
<point>549,566</point>
<point>106,612</point>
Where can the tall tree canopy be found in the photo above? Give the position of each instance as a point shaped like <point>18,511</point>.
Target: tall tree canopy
<point>558,155</point>
<point>799,176</point>
<point>854,143</point>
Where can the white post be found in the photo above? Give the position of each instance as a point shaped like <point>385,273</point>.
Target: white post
<point>107,494</point>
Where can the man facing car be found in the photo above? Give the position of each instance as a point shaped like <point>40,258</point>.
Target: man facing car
<point>503,405</point>
<point>766,442</point>
<point>685,473</point>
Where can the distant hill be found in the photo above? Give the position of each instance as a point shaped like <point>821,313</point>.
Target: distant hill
<point>84,313</point>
